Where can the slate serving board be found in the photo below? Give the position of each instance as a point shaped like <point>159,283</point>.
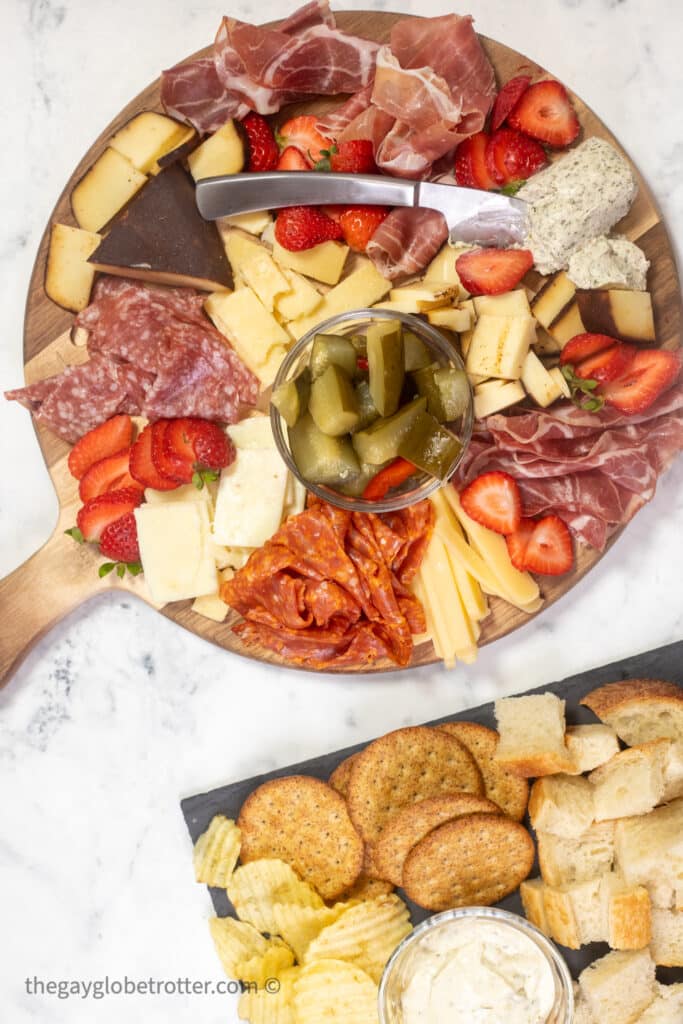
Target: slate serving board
<point>662,663</point>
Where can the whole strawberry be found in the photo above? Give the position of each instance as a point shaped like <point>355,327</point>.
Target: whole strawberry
<point>359,224</point>
<point>302,227</point>
<point>263,149</point>
<point>119,540</point>
<point>354,157</point>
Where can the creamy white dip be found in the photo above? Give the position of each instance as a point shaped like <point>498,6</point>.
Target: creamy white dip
<point>477,972</point>
<point>609,263</point>
<point>580,196</point>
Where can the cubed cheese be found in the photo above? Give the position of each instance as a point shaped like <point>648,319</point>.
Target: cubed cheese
<point>104,189</point>
<point>255,223</point>
<point>248,326</point>
<point>493,395</point>
<point>514,303</point>
<point>252,262</point>
<point>253,432</point>
<point>323,262</point>
<point>147,137</point>
<point>362,287</point>
<point>538,383</point>
<point>211,607</point>
<point>500,344</point>
<point>301,299</point>
<point>175,550</point>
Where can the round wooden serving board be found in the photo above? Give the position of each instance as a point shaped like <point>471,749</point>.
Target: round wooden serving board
<point>63,575</point>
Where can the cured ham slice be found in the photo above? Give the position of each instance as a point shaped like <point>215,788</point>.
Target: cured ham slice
<point>194,93</point>
<point>406,241</point>
<point>596,470</point>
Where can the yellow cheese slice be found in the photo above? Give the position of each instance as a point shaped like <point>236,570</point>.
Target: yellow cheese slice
<point>362,287</point>
<point>450,619</point>
<point>301,299</point>
<point>252,262</point>
<point>432,634</point>
<point>255,223</point>
<point>251,330</point>
<point>211,607</point>
<point>175,550</point>
<point>323,262</point>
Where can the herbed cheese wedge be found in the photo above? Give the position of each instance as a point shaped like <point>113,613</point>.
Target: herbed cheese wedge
<point>147,137</point>
<point>69,276</point>
<point>254,264</point>
<point>104,189</point>
<point>514,303</point>
<point>323,262</point>
<point>500,344</point>
<point>250,329</point>
<point>493,395</point>
<point>175,550</point>
<point>538,382</point>
<point>362,287</point>
<point>451,318</point>
<point>221,153</point>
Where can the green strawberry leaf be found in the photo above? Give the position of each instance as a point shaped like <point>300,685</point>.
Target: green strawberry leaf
<point>121,570</point>
<point>513,187</point>
<point>134,568</point>
<point>106,568</point>
<point>75,534</point>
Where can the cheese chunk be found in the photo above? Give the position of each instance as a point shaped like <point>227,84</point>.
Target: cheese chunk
<point>186,492</point>
<point>302,297</point>
<point>493,395</point>
<point>250,498</point>
<point>514,303</point>
<point>362,287</point>
<point>175,550</point>
<point>323,262</point>
<point>248,326</point>
<point>104,189</point>
<point>69,276</point>
<point>255,223</point>
<point>442,268</point>
<point>543,388</point>
<point>452,319</point>
<point>252,262</point>
<point>211,607</point>
<point>424,296</point>
<point>221,153</point>
<point>295,497</point>
<point>253,432</point>
<point>148,136</point>
<point>500,344</point>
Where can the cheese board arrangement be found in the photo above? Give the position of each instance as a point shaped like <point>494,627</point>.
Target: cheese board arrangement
<point>562,806</point>
<point>346,436</point>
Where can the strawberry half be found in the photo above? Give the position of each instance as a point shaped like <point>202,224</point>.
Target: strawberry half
<point>511,156</point>
<point>518,542</point>
<point>96,515</point>
<point>359,223</point>
<point>493,271</point>
<point>165,460</point>
<point>303,133</point>
<point>119,540</point>
<point>302,227</point>
<point>545,112</point>
<point>357,156</point>
<point>110,474</point>
<point>471,170</point>
<point>199,444</point>
<point>108,438</point>
<point>581,346</point>
<point>508,98</point>
<point>650,372</point>
<point>606,365</point>
<point>549,551</point>
<point>142,466</point>
<point>493,499</point>
<point>292,159</point>
<point>263,149</point>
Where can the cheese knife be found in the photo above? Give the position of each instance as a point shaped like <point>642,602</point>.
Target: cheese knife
<point>473,216</point>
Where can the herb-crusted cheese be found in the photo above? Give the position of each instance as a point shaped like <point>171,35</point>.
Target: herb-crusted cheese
<point>579,197</point>
<point>609,263</point>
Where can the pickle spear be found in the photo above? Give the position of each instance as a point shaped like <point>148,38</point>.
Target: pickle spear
<point>446,389</point>
<point>385,365</point>
<point>333,403</point>
<point>320,458</point>
<point>332,348</point>
<point>291,398</point>
<point>430,446</point>
<point>380,442</point>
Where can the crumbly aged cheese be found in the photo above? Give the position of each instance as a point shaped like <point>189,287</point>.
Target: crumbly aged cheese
<point>609,263</point>
<point>477,972</point>
<point>580,196</point>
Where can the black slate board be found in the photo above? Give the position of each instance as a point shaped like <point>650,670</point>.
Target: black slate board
<point>662,663</point>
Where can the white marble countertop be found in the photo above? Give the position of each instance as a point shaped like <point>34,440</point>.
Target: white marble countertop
<point>117,713</point>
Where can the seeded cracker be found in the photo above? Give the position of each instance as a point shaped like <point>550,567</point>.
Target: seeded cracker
<point>474,860</point>
<point>305,823</point>
<point>403,767</point>
<point>339,779</point>
<point>506,789</point>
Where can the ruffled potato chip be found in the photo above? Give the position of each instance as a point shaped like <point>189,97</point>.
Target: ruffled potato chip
<point>277,958</point>
<point>216,852</point>
<point>256,887</point>
<point>270,1006</point>
<point>334,992</point>
<point>246,954</point>
<point>299,925</point>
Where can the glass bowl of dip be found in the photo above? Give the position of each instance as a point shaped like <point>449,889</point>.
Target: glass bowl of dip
<point>421,484</point>
<point>476,964</point>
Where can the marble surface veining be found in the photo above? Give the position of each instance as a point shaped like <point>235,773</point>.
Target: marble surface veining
<point>118,713</point>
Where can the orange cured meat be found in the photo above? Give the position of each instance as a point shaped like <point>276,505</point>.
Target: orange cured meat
<point>331,587</point>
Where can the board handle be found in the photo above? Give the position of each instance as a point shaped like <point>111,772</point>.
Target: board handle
<point>38,594</point>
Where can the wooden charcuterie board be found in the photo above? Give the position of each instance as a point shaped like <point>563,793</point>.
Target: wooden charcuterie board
<point>60,576</point>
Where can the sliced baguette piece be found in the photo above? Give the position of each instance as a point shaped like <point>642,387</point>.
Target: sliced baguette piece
<point>619,986</point>
<point>582,1013</point>
<point>639,710</point>
<point>590,746</point>
<point>631,782</point>
<point>564,860</point>
<point>667,1007</point>
<point>532,735</point>
<point>562,805</point>
<point>649,848</point>
<point>628,913</point>
<point>531,893</point>
<point>673,772</point>
<point>575,913</point>
<point>666,945</point>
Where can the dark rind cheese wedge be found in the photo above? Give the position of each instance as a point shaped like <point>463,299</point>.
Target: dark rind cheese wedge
<point>622,314</point>
<point>179,153</point>
<point>161,238</point>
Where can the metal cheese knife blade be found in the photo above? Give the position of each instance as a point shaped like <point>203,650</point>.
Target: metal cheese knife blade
<point>485,218</point>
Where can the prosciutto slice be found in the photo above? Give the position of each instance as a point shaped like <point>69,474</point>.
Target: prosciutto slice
<point>406,241</point>
<point>596,470</point>
<point>194,93</point>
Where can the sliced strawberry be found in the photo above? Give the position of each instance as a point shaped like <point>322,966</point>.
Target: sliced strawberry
<point>581,346</point>
<point>212,447</point>
<point>292,159</point>
<point>493,271</point>
<point>518,542</point>
<point>357,156</point>
<point>165,459</point>
<point>359,223</point>
<point>303,133</point>
<point>302,227</point>
<point>493,499</point>
<point>110,474</point>
<point>98,513</point>
<point>471,169</point>
<point>507,99</point>
<point>511,156</point>
<point>606,365</point>
<point>142,467</point>
<point>119,540</point>
<point>108,438</point>
<point>650,372</point>
<point>263,149</point>
<point>545,112</point>
<point>549,551</point>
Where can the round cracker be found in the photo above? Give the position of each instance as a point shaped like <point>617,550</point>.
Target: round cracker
<point>474,860</point>
<point>305,823</point>
<point>506,789</point>
<point>339,779</point>
<point>405,830</point>
<point>368,884</point>
<point>403,767</point>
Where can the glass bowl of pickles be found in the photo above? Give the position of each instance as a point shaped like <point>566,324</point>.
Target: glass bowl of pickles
<point>372,410</point>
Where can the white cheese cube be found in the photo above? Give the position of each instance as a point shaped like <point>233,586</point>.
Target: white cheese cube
<point>452,319</point>
<point>538,383</point>
<point>211,607</point>
<point>186,492</point>
<point>250,498</point>
<point>500,344</point>
<point>253,432</point>
<point>175,550</point>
